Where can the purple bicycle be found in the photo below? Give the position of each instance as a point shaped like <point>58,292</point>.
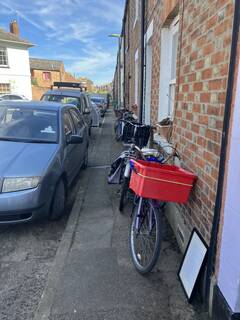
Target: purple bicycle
<point>146,230</point>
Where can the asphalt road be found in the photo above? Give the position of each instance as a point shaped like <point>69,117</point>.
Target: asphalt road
<point>26,256</point>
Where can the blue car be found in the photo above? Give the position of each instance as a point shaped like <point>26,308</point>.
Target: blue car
<point>43,145</point>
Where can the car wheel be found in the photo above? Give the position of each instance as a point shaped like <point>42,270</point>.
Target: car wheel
<point>58,202</point>
<point>85,161</point>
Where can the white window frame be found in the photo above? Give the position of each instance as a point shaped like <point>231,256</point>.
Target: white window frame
<point>7,87</point>
<point>166,98</point>
<point>136,12</point>
<point>136,70</point>
<point>6,53</point>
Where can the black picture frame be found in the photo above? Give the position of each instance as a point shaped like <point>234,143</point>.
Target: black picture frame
<point>190,293</point>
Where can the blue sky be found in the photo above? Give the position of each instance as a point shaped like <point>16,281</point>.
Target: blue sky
<point>75,31</point>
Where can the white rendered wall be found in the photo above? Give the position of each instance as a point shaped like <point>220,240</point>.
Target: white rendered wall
<point>18,71</point>
<point>229,273</point>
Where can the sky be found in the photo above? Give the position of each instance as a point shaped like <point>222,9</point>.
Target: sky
<point>74,31</point>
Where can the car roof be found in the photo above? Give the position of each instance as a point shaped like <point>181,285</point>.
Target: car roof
<point>64,92</point>
<point>41,105</point>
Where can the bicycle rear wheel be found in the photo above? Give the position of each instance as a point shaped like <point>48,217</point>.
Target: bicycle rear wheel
<point>145,236</point>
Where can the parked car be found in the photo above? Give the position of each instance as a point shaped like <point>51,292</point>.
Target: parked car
<point>95,113</point>
<point>100,102</point>
<point>71,96</point>
<point>12,96</point>
<point>43,145</point>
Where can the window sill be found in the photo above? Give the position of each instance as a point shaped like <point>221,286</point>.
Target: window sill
<point>5,67</point>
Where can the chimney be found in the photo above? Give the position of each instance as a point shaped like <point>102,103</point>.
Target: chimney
<point>14,28</point>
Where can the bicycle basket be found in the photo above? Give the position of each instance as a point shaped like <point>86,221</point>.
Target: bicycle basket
<point>161,182</point>
<point>139,137</point>
<point>142,136</point>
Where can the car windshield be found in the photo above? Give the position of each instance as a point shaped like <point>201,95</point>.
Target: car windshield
<point>61,98</point>
<point>28,125</point>
<point>97,100</point>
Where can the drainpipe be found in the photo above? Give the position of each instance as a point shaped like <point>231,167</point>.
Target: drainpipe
<point>124,50</point>
<point>142,61</point>
<point>224,145</point>
<point>124,61</point>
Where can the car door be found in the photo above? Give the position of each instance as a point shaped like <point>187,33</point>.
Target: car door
<point>70,150</point>
<point>81,131</point>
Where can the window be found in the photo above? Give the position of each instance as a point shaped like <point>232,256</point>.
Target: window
<point>87,107</point>
<point>46,76</point>
<point>168,63</point>
<point>84,104</point>
<point>77,119</point>
<point>3,57</point>
<point>62,99</point>
<point>136,12</point>
<point>69,128</point>
<point>28,125</point>
<point>14,97</point>
<point>5,88</point>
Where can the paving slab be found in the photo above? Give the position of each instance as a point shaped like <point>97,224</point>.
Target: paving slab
<point>97,280</point>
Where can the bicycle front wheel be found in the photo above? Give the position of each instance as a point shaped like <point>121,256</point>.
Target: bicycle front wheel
<point>124,191</point>
<point>145,236</point>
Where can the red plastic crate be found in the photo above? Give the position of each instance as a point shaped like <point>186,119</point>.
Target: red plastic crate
<point>161,182</point>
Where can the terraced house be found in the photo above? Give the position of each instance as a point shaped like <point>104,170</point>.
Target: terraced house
<point>178,60</point>
<point>14,62</point>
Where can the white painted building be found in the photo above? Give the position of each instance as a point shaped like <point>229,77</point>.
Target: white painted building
<point>15,76</point>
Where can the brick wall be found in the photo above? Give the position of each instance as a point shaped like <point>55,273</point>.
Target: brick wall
<point>204,52</point>
<point>37,92</point>
<point>38,76</point>
<point>132,44</point>
<point>205,29</point>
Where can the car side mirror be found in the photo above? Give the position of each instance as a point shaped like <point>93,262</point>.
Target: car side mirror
<point>86,111</point>
<point>75,139</point>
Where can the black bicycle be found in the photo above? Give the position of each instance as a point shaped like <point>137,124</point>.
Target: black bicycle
<point>126,116</point>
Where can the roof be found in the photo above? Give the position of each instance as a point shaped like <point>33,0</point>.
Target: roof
<point>40,105</point>
<point>12,38</point>
<point>45,64</point>
<point>65,92</point>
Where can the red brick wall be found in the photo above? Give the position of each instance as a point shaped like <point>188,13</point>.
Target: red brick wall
<point>203,64</point>
<point>132,42</point>
<point>202,71</point>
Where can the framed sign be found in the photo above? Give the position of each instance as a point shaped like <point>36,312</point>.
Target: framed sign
<point>192,264</point>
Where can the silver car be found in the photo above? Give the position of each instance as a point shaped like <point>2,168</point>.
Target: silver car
<point>42,146</point>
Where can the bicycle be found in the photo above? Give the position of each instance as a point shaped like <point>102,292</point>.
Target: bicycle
<point>149,154</point>
<point>146,225</point>
<point>120,122</point>
<point>134,152</point>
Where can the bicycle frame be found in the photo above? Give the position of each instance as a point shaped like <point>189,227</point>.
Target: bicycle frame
<point>154,204</point>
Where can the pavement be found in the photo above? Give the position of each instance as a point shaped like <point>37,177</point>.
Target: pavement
<point>92,276</point>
